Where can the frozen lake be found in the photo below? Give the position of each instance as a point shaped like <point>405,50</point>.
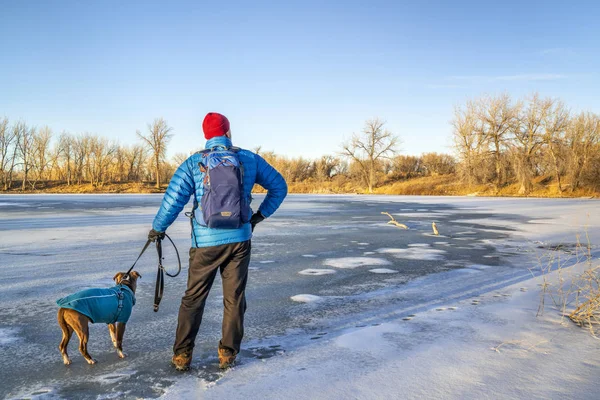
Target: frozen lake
<point>320,265</point>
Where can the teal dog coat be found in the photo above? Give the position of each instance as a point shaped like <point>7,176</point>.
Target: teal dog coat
<point>102,305</point>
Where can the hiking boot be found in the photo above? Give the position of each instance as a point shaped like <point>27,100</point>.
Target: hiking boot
<point>226,358</point>
<point>182,361</point>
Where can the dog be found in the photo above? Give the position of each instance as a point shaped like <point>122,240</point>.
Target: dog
<point>112,306</point>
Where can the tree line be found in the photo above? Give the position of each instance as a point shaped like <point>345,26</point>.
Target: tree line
<point>30,155</point>
<point>498,141</point>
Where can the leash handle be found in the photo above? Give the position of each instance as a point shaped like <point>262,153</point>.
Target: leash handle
<point>160,273</point>
<point>178,259</point>
<point>160,278</point>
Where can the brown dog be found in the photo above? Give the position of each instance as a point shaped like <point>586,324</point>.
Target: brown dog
<point>112,306</point>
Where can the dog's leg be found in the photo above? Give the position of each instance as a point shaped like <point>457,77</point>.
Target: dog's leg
<point>84,335</point>
<point>113,334</point>
<point>120,332</point>
<point>67,331</point>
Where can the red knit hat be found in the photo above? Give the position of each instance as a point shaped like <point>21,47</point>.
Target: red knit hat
<point>214,125</point>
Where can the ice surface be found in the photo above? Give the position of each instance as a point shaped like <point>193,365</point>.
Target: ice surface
<point>414,253</point>
<point>316,271</point>
<point>418,332</point>
<point>355,262</point>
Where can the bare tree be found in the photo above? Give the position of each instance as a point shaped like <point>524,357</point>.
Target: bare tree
<point>325,167</point>
<point>7,153</point>
<point>555,124</point>
<point>470,142</point>
<point>24,136</point>
<point>367,149</point>
<point>582,136</point>
<point>179,158</point>
<point>528,138</point>
<point>65,149</point>
<point>297,169</point>
<point>406,167</point>
<point>39,155</point>
<point>81,151</point>
<point>157,139</point>
<point>438,164</point>
<point>136,159</point>
<point>100,157</point>
<point>498,116</point>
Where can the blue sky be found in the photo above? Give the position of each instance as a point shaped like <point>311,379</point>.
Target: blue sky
<point>294,77</point>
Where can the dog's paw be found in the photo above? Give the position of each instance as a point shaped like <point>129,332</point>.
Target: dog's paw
<point>91,361</point>
<point>122,354</point>
<point>67,360</point>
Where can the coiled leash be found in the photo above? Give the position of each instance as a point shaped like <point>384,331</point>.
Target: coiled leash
<point>160,274</point>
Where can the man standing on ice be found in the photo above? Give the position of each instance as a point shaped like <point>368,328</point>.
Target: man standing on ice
<point>221,179</point>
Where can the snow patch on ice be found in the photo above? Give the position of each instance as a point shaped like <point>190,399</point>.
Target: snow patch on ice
<point>41,392</point>
<point>8,335</point>
<point>468,270</point>
<point>479,267</point>
<point>189,387</point>
<point>116,376</point>
<point>363,244</point>
<point>418,245</point>
<point>306,298</point>
<point>383,271</point>
<point>266,262</point>
<point>368,253</point>
<point>354,262</point>
<point>316,271</point>
<point>309,255</point>
<point>414,253</point>
<point>428,215</point>
<point>6,203</point>
<point>372,339</point>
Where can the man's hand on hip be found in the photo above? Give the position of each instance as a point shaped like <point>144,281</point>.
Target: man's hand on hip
<point>256,218</point>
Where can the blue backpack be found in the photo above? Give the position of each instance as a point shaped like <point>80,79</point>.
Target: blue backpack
<point>223,204</point>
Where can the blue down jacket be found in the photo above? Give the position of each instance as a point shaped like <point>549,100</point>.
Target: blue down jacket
<point>102,305</point>
<point>187,181</point>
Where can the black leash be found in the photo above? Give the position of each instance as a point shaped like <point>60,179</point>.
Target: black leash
<point>160,277</point>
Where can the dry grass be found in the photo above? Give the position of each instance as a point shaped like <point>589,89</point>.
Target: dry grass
<point>439,185</point>
<point>59,187</point>
<point>575,295</point>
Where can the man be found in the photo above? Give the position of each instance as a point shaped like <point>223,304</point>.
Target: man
<point>224,249</point>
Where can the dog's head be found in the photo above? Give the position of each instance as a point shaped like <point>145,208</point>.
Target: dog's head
<point>130,280</point>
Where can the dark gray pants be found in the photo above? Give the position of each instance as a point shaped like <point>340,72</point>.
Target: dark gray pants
<point>232,260</point>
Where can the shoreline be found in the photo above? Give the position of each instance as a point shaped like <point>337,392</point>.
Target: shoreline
<point>109,193</point>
